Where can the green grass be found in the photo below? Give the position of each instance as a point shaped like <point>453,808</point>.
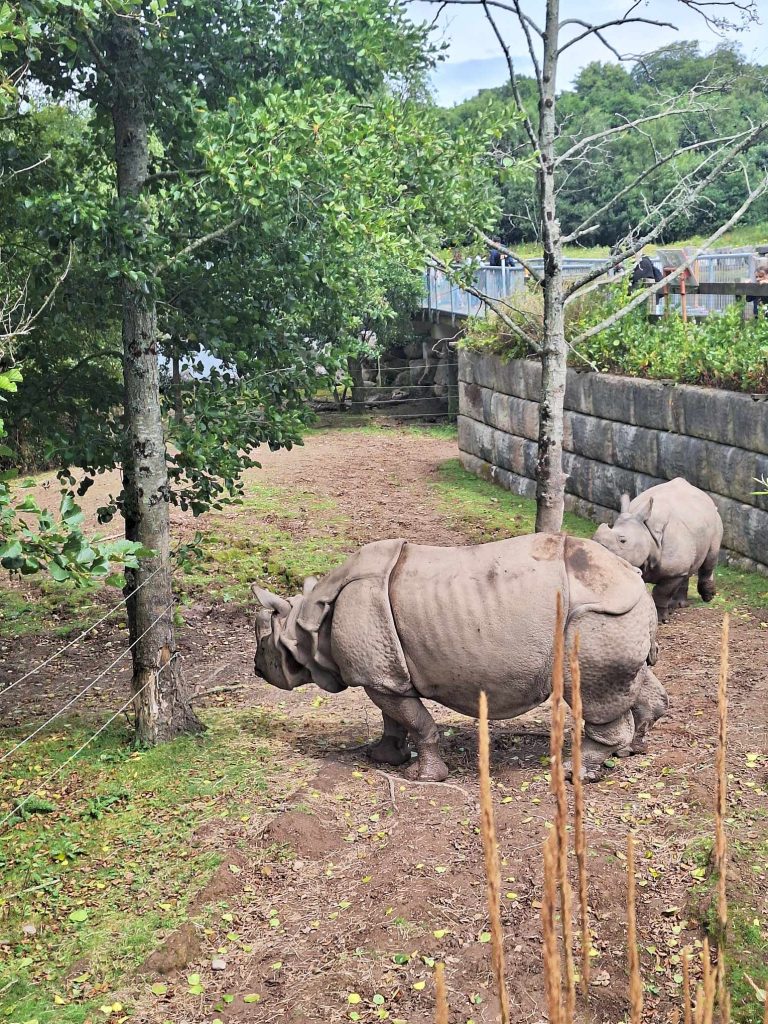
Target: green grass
<point>749,235</point>
<point>278,537</point>
<point>111,841</point>
<point>38,606</point>
<point>488,511</point>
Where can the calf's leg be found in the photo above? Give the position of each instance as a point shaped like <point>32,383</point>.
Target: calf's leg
<point>393,747</point>
<point>411,714</point>
<point>663,593</point>
<point>706,585</point>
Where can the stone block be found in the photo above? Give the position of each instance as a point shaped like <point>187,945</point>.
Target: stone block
<point>470,400</point>
<point>591,437</point>
<point>636,448</point>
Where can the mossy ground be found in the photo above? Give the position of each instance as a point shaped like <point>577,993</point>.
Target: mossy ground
<point>105,858</point>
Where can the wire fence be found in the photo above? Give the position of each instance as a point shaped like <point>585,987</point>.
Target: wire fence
<point>73,700</point>
<point>98,622</point>
<point>60,768</point>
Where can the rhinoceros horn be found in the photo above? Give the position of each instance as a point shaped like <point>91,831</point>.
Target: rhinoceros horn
<point>269,600</point>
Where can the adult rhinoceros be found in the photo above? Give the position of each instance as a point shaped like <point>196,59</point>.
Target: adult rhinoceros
<point>409,621</point>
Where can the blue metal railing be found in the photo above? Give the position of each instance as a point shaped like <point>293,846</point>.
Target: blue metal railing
<point>441,295</point>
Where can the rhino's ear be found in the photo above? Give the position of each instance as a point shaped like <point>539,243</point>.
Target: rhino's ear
<point>624,507</point>
<point>309,585</point>
<point>269,600</point>
<point>643,512</point>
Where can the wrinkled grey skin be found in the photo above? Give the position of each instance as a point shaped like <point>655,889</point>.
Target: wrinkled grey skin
<point>444,624</point>
<point>670,532</point>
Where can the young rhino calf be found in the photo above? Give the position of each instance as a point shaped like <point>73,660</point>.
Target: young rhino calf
<point>669,532</point>
<point>409,622</point>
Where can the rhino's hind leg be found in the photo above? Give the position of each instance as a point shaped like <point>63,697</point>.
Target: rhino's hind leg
<point>393,746</point>
<point>680,597</point>
<point>706,585</point>
<point>417,721</point>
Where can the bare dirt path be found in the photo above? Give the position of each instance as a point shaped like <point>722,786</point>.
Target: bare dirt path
<point>343,897</point>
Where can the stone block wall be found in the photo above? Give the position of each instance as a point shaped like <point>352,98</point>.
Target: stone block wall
<point>622,435</point>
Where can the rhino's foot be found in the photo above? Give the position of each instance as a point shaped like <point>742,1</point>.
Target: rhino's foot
<point>589,772</point>
<point>428,768</point>
<point>390,750</point>
<point>706,589</point>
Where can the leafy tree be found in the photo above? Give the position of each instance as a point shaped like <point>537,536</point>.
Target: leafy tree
<point>272,164</point>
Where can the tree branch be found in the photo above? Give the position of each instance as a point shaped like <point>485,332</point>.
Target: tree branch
<point>597,29</point>
<point>584,226</point>
<point>635,247</point>
<point>194,172</point>
<point>677,272</point>
<point>199,243</point>
<point>508,253</point>
<point>532,136</point>
<point>627,126</point>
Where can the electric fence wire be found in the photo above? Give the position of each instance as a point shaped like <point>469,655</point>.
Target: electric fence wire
<point>73,700</point>
<point>49,778</point>
<point>85,632</point>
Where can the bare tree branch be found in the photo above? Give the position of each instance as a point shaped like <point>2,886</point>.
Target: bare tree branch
<point>667,111</point>
<point>584,227</point>
<point>677,272</point>
<point>508,253</point>
<point>632,249</point>
<point>597,29</point>
<point>529,129</point>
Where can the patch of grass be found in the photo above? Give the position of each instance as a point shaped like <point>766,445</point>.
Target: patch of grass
<point>747,954</point>
<point>105,858</point>
<point>31,607</point>
<point>278,536</point>
<point>489,511</point>
<point>737,588</point>
<point>442,431</point>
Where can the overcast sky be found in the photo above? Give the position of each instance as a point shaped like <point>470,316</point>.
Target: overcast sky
<point>475,61</point>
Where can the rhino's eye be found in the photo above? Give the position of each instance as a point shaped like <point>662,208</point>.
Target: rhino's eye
<point>622,540</point>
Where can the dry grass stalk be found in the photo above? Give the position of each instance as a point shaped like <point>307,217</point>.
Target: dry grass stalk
<point>725,1007</point>
<point>580,836</point>
<point>698,1013</point>
<point>490,849</point>
<point>549,931</point>
<point>635,982</point>
<point>441,996</point>
<point>686,987</point>
<point>721,851</point>
<point>556,736</point>
<point>765,1008</point>
<point>710,983</point>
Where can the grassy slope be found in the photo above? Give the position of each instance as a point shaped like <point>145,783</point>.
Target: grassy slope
<point>756,234</point>
<point>114,836</point>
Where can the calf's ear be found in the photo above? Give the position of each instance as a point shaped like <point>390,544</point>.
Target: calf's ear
<point>643,513</point>
<point>309,585</point>
<point>269,600</point>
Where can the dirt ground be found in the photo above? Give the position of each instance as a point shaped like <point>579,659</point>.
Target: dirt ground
<point>334,905</point>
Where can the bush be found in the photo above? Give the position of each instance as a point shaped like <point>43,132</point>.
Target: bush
<point>722,350</point>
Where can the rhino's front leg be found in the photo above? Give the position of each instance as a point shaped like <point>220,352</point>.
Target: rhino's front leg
<point>664,593</point>
<point>393,746</point>
<point>414,717</point>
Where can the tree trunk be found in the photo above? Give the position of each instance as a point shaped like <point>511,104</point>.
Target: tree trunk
<point>550,479</point>
<point>161,701</point>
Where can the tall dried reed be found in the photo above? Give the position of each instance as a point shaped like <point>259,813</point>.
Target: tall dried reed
<point>635,981</point>
<point>490,849</point>
<point>441,996</point>
<point>721,851</point>
<point>557,772</point>
<point>579,830</point>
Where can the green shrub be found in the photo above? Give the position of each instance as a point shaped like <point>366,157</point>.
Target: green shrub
<point>721,350</point>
